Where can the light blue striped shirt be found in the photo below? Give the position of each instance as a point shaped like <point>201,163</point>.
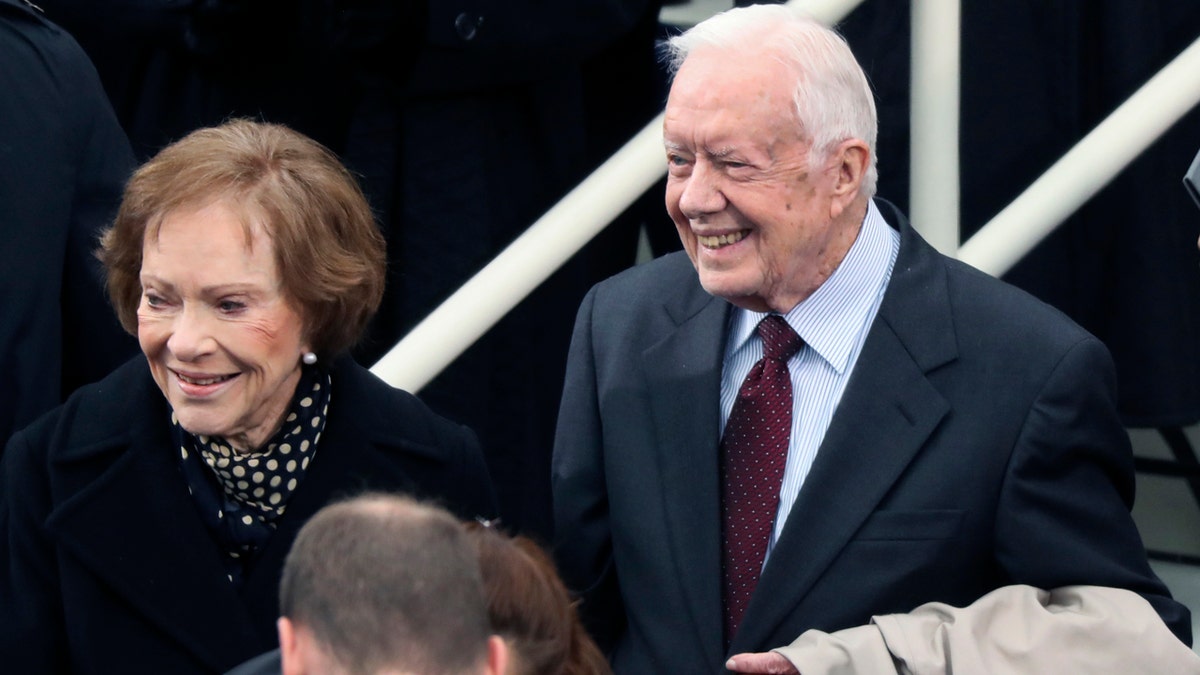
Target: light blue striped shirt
<point>833,322</point>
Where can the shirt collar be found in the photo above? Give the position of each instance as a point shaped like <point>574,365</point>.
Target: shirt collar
<point>842,305</point>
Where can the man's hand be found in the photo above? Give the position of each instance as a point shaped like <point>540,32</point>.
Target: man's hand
<point>770,663</point>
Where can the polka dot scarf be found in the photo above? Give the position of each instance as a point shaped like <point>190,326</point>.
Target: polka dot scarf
<point>240,495</point>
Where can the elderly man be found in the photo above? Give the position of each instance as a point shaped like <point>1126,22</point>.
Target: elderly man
<point>382,585</point>
<point>810,417</point>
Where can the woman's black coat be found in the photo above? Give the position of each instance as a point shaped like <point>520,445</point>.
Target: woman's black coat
<point>106,566</point>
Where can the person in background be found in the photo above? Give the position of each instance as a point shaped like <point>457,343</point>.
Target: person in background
<point>530,608</point>
<point>380,585</point>
<point>146,520</point>
<point>810,417</point>
<point>63,162</point>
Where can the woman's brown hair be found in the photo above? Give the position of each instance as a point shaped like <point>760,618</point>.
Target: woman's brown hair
<point>328,249</point>
<point>530,608</point>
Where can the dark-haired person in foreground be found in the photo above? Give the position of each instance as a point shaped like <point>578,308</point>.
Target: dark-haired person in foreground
<point>145,521</point>
<point>383,585</point>
<point>528,607</point>
<point>810,417</point>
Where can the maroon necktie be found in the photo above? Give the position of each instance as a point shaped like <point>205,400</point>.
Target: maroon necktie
<point>753,455</point>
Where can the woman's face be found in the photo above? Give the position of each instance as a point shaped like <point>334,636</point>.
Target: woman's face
<point>224,344</point>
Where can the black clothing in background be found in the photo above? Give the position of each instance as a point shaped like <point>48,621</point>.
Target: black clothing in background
<point>490,131</point>
<point>1036,78</point>
<point>63,163</point>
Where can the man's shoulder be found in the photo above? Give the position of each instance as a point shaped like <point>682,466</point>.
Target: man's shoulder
<point>650,283</point>
<point>670,267</point>
<point>265,664</point>
<point>1001,306</point>
<point>976,299</point>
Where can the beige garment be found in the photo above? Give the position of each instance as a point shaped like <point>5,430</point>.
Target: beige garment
<point>1015,630</point>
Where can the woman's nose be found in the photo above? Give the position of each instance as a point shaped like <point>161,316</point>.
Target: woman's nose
<point>191,336</point>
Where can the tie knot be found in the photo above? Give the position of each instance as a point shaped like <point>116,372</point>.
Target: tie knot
<point>780,342</point>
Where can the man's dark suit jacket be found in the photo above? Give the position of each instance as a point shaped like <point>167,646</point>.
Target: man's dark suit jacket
<point>105,565</point>
<point>976,445</point>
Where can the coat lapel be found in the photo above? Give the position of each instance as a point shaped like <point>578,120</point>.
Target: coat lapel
<point>135,527</point>
<point>685,368</point>
<point>887,413</point>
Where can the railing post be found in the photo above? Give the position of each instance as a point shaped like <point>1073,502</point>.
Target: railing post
<point>934,95</point>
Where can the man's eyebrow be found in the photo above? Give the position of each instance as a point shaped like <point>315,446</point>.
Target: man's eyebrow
<point>718,153</point>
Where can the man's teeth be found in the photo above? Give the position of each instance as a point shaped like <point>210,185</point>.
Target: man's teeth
<point>205,381</point>
<point>722,239</point>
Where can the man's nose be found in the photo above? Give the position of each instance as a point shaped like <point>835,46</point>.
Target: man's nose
<point>702,192</point>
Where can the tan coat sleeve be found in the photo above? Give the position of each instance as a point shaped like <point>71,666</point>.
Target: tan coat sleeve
<point>1015,630</point>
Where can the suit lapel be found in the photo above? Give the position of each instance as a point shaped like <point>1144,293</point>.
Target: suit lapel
<point>685,368</point>
<point>135,528</point>
<point>888,411</point>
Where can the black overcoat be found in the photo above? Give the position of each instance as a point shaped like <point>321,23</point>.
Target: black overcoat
<point>107,567</point>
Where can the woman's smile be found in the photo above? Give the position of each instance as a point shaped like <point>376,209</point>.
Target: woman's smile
<point>199,385</point>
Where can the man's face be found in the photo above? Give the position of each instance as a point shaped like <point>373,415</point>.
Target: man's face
<point>758,223</point>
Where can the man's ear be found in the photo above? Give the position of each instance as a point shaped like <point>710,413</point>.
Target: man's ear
<point>498,655</point>
<point>289,650</point>
<point>848,162</point>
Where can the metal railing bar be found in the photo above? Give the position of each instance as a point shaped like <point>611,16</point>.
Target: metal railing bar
<point>1086,168</point>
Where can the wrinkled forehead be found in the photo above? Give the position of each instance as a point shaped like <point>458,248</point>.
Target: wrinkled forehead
<point>738,97</point>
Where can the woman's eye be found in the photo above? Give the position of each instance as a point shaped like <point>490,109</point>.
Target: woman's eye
<point>228,306</point>
<point>153,300</point>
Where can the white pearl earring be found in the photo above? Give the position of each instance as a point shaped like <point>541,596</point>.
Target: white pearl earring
<point>309,358</point>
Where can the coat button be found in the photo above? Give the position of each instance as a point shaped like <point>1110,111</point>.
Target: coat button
<point>467,25</point>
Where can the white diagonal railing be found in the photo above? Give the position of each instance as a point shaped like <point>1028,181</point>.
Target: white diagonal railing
<point>1089,166</point>
<point>466,315</point>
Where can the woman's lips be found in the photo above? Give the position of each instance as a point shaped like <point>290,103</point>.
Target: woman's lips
<point>198,384</point>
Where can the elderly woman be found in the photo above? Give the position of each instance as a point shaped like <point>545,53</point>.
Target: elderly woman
<point>143,524</point>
